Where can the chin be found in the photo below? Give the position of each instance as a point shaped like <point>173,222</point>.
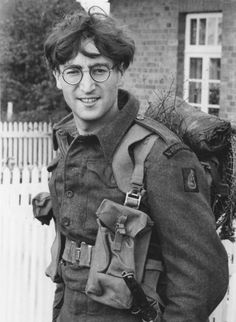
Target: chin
<point>90,118</point>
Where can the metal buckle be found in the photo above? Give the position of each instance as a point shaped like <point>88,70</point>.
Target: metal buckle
<point>81,255</point>
<point>85,254</point>
<point>77,254</point>
<point>74,252</point>
<point>133,199</point>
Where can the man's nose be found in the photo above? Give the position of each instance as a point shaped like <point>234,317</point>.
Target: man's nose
<point>87,84</point>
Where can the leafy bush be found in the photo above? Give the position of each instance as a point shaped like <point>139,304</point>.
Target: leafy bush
<point>24,77</point>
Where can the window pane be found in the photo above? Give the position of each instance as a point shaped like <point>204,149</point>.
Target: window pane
<point>195,92</point>
<point>202,32</point>
<point>195,68</point>
<point>214,68</point>
<point>219,38</point>
<point>193,32</point>
<point>213,111</point>
<point>211,31</point>
<point>214,94</point>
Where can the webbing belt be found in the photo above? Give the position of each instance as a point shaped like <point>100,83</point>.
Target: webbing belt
<point>81,254</point>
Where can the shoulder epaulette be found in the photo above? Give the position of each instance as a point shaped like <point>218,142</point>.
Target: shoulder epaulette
<point>158,128</point>
<point>174,148</point>
<point>173,142</point>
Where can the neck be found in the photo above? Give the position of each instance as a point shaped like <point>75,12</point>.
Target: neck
<point>92,126</point>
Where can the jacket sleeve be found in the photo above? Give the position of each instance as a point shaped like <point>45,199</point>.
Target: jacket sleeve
<point>195,261</point>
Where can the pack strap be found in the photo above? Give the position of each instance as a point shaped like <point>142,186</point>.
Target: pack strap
<point>129,176</point>
<point>141,150</point>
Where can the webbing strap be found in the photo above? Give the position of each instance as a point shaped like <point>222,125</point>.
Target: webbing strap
<point>140,154</point>
<point>125,172</point>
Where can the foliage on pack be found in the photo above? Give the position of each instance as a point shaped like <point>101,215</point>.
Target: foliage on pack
<point>211,139</point>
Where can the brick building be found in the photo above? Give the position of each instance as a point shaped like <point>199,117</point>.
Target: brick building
<point>186,44</point>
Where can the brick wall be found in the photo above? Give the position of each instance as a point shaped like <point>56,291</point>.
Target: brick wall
<point>200,5</point>
<point>228,74</point>
<point>153,25</point>
<point>157,27</point>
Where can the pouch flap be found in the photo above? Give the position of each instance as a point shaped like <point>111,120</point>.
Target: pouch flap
<point>110,213</point>
<point>42,207</point>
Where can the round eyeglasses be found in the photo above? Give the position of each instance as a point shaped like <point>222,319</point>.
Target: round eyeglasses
<point>99,73</point>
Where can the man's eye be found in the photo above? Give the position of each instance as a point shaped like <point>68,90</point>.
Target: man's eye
<point>99,70</point>
<point>73,72</point>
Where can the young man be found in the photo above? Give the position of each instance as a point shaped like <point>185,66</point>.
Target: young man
<point>88,55</point>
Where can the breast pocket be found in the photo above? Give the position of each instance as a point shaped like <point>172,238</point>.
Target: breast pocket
<point>102,172</point>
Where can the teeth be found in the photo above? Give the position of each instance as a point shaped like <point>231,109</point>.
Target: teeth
<point>88,100</point>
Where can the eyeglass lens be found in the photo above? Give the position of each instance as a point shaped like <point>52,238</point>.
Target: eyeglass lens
<point>73,75</point>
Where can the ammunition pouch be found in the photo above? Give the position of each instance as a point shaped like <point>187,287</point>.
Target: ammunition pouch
<point>42,207</point>
<point>121,245</point>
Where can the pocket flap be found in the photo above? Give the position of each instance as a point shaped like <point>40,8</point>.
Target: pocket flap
<point>109,213</point>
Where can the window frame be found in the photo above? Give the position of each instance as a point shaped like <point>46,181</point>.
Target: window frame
<point>206,52</point>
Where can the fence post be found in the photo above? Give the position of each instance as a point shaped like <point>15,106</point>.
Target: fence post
<point>29,143</point>
<point>27,294</point>
<point>9,110</point>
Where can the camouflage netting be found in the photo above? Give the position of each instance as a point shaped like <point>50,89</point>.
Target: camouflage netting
<point>211,139</point>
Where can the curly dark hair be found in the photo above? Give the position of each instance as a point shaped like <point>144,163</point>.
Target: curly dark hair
<point>65,40</point>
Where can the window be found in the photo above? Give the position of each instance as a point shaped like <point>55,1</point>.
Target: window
<point>203,61</point>
<point>103,4</point>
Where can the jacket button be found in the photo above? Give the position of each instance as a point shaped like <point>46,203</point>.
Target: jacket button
<point>65,221</point>
<point>69,194</point>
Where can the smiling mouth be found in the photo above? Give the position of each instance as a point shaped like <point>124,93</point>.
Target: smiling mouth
<point>89,100</point>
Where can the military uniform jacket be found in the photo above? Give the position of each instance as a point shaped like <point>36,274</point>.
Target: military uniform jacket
<point>177,199</point>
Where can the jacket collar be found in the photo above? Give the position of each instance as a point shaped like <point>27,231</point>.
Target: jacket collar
<point>111,134</point>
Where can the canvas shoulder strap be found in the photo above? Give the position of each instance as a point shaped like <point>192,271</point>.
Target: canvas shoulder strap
<point>125,171</point>
<point>129,173</point>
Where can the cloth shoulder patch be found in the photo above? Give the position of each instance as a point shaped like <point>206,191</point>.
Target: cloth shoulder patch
<point>174,148</point>
<point>190,180</point>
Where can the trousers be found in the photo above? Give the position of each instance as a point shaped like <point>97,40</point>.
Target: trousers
<point>72,304</point>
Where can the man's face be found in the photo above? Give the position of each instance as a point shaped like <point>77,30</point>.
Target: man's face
<point>92,103</point>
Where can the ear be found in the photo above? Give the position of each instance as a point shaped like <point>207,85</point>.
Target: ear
<point>120,81</point>
<point>56,74</point>
<point>121,77</point>
<point>122,69</point>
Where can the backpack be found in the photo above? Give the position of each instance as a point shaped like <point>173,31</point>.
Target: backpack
<point>122,229</point>
<point>208,136</point>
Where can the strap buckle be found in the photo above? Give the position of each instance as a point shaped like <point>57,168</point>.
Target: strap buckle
<point>85,254</point>
<point>81,255</point>
<point>133,199</point>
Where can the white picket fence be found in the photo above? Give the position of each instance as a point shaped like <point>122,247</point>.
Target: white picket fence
<point>26,293</point>
<point>226,311</point>
<point>29,143</point>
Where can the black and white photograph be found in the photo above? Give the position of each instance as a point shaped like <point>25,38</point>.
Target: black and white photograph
<point>118,160</point>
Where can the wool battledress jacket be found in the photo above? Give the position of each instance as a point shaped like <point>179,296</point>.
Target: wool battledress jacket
<point>177,199</point>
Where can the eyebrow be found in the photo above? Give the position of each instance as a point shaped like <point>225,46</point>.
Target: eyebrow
<point>90,54</point>
<point>90,65</point>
